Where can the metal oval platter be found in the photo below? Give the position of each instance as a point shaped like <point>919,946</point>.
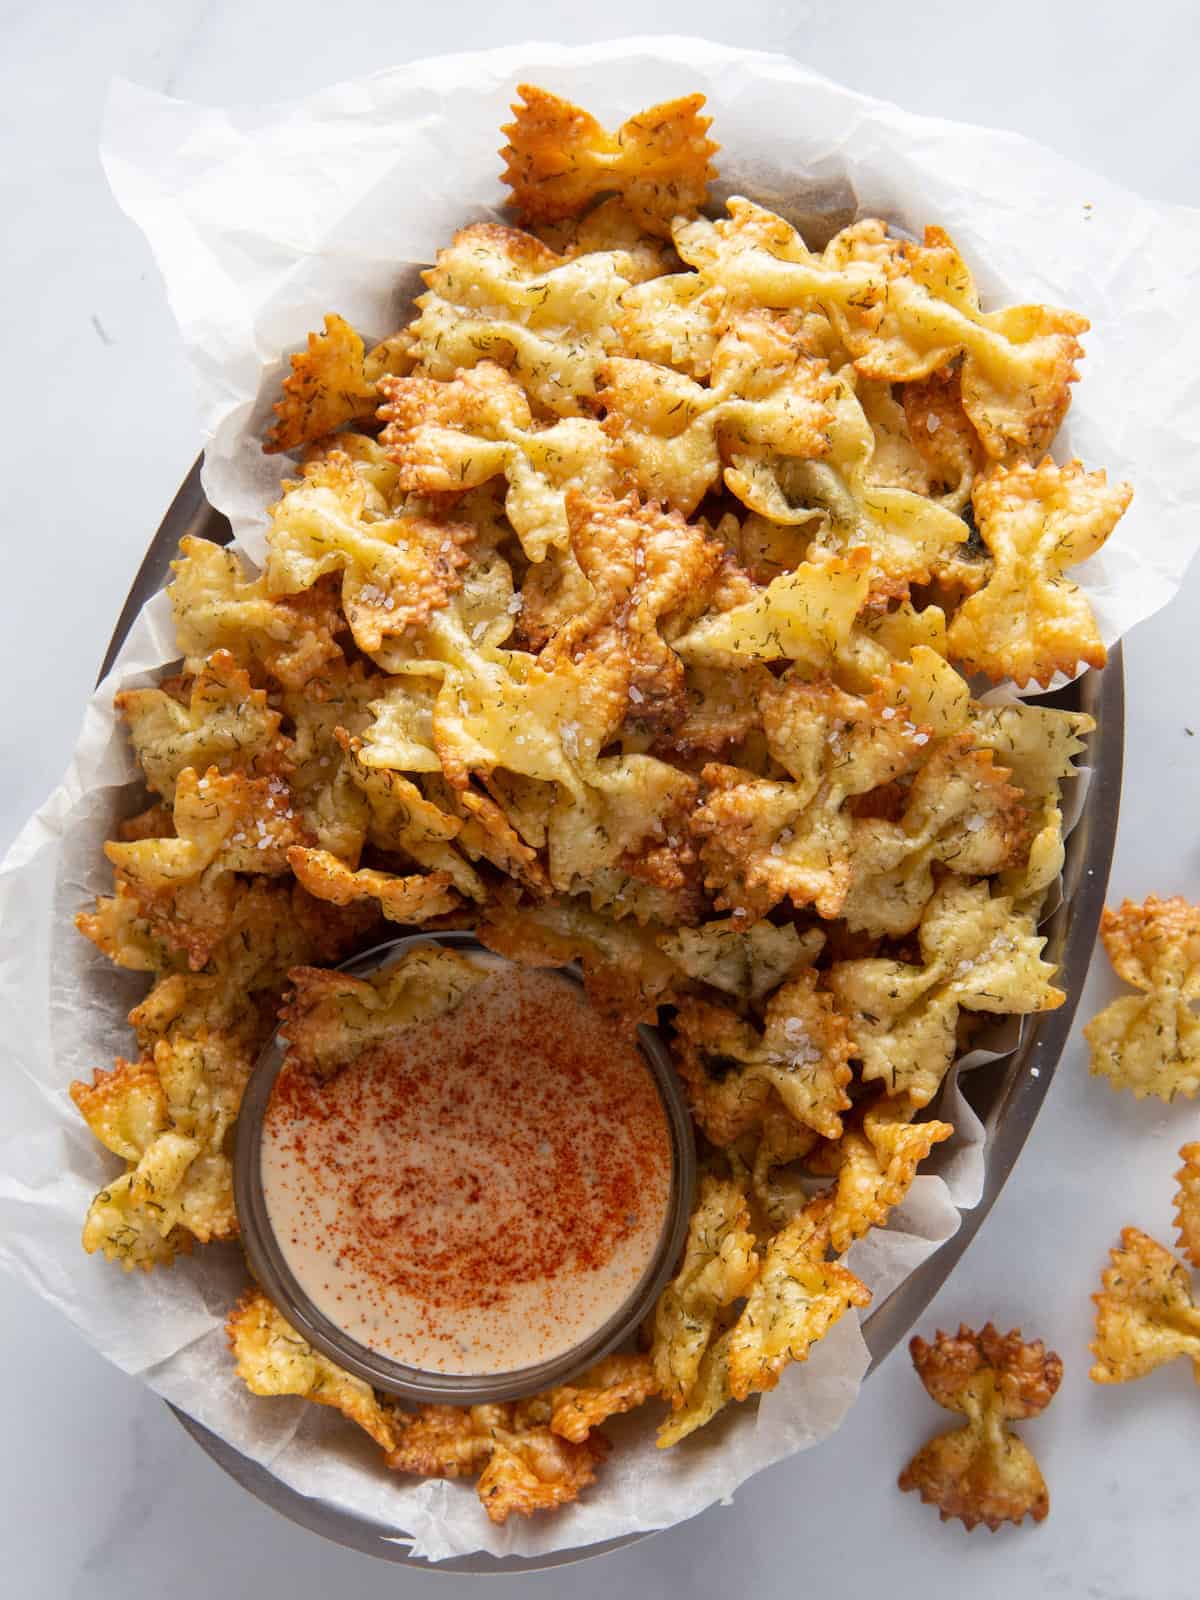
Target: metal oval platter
<point>1006,1094</point>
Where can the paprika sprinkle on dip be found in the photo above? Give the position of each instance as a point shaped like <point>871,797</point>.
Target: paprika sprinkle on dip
<point>479,1191</point>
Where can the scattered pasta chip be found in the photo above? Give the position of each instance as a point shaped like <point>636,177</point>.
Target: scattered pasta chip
<point>558,159</point>
<point>983,1472</point>
<point>1150,1043</point>
<point>1145,1314</point>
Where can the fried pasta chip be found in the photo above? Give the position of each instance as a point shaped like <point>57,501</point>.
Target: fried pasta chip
<point>120,930</point>
<point>1187,1203</point>
<point>625,972</point>
<point>326,388</point>
<point>523,1466</point>
<point>125,1108</point>
<point>959,812</point>
<point>977,954</point>
<point>843,506</point>
<point>558,159</point>
<point>796,1298</point>
<point>1029,621</point>
<point>273,1359</point>
<point>217,607</point>
<point>1150,1043</point>
<point>764,839</point>
<point>802,616</point>
<point>642,563</point>
<point>792,1303</point>
<point>175,1187</point>
<point>875,1162</point>
<point>499,295</point>
<point>331,805</point>
<point>1145,1314</point>
<point>223,724</point>
<point>744,962</point>
<point>733,1073</point>
<point>616,1384</point>
<point>983,1472</point>
<point>416,898</point>
<point>394,571</point>
<point>719,1266</point>
<point>331,1017</point>
<point>224,820</point>
<point>448,437</point>
<point>765,399</point>
<point>942,435</point>
<point>633,814</point>
<point>1038,747</point>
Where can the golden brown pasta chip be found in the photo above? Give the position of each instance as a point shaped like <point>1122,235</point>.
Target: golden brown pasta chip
<point>983,1472</point>
<point>1150,1043</point>
<point>326,388</point>
<point>273,1359</point>
<point>1146,1314</point>
<point>558,159</point>
<point>1029,620</point>
<point>1187,1203</point>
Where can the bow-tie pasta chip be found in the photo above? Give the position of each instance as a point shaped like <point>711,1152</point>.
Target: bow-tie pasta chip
<point>1146,1314</point>
<point>559,158</point>
<point>1150,1042</point>
<point>983,1472</point>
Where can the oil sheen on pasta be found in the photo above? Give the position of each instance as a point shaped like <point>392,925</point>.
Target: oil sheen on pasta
<point>480,1193</point>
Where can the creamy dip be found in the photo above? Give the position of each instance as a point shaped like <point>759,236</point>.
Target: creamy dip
<point>480,1192</point>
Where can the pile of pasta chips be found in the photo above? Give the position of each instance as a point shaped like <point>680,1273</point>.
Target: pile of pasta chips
<point>622,609</point>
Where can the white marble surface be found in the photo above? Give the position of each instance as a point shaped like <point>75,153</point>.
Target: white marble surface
<point>101,1494</point>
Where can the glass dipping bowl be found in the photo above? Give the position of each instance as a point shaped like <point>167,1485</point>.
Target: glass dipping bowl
<point>270,1268</point>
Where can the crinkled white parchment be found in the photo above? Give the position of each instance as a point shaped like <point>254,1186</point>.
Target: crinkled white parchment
<point>263,220</point>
